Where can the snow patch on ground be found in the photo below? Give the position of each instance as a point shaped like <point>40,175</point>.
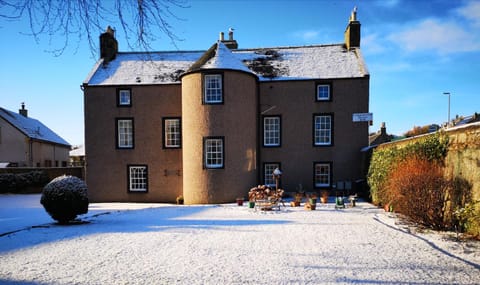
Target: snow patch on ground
<point>128,243</point>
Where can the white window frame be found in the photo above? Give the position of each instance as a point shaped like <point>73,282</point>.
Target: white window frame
<point>214,152</point>
<point>323,92</point>
<point>213,89</point>
<point>322,174</point>
<point>322,130</point>
<point>125,133</point>
<point>272,131</point>
<point>124,97</point>
<point>268,168</point>
<point>137,178</point>
<point>172,133</point>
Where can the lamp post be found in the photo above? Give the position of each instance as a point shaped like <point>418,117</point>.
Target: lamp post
<point>448,93</point>
<point>276,175</point>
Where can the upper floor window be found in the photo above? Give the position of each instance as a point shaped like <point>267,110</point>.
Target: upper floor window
<point>322,130</point>
<point>213,90</point>
<point>124,133</point>
<point>213,150</point>
<point>322,174</point>
<point>172,133</point>
<point>124,97</point>
<point>137,178</point>
<point>268,169</point>
<point>271,131</point>
<point>323,92</point>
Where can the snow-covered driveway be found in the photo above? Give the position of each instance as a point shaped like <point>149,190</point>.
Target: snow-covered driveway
<point>225,244</point>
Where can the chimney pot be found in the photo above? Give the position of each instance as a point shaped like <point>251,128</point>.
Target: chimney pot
<point>352,33</point>
<point>108,45</point>
<point>222,36</point>
<point>383,129</point>
<point>23,111</point>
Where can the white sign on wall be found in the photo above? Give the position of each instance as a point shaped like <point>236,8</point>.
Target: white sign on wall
<point>362,117</point>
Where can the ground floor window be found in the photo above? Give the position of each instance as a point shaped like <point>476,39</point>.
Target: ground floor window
<point>268,168</point>
<point>137,178</point>
<point>322,173</point>
<point>213,149</point>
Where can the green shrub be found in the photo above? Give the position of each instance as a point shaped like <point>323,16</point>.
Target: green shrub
<point>64,198</point>
<point>20,182</point>
<point>468,218</point>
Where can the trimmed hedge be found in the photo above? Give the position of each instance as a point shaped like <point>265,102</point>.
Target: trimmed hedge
<point>64,198</point>
<point>17,183</point>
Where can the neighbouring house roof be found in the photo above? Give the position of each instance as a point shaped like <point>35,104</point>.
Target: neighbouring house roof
<point>78,151</point>
<point>32,128</point>
<point>277,63</point>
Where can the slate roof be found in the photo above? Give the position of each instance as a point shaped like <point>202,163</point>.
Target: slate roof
<point>277,63</point>
<point>32,128</point>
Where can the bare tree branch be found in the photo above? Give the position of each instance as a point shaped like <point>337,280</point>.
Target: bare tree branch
<point>141,22</point>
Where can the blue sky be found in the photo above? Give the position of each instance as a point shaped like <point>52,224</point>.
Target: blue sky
<point>415,51</point>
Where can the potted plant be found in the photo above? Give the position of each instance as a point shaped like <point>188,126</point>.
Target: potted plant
<point>312,199</point>
<point>297,200</point>
<point>310,205</point>
<point>240,201</point>
<point>324,197</point>
<point>180,200</point>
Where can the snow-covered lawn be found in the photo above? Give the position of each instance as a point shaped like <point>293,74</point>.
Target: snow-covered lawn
<point>225,244</point>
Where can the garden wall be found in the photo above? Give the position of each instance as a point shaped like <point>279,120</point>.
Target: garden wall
<point>463,157</point>
<point>460,157</point>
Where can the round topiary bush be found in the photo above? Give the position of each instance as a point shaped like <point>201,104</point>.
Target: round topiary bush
<point>64,198</point>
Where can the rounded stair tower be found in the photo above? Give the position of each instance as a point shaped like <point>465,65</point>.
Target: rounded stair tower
<point>219,128</point>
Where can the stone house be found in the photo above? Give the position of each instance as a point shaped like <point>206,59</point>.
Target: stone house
<point>26,142</point>
<point>209,125</point>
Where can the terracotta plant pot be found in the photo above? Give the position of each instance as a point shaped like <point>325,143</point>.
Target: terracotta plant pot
<point>295,204</point>
<point>324,200</point>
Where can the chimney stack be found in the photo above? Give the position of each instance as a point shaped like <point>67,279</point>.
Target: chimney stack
<point>108,45</point>
<point>352,33</point>
<point>23,111</point>
<point>383,129</point>
<point>230,43</point>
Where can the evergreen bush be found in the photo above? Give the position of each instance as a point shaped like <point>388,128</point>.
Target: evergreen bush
<point>20,182</point>
<point>64,198</point>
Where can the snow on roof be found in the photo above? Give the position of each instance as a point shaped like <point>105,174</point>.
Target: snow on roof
<point>143,68</point>
<point>224,58</point>
<point>278,63</point>
<point>32,128</point>
<point>78,151</point>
